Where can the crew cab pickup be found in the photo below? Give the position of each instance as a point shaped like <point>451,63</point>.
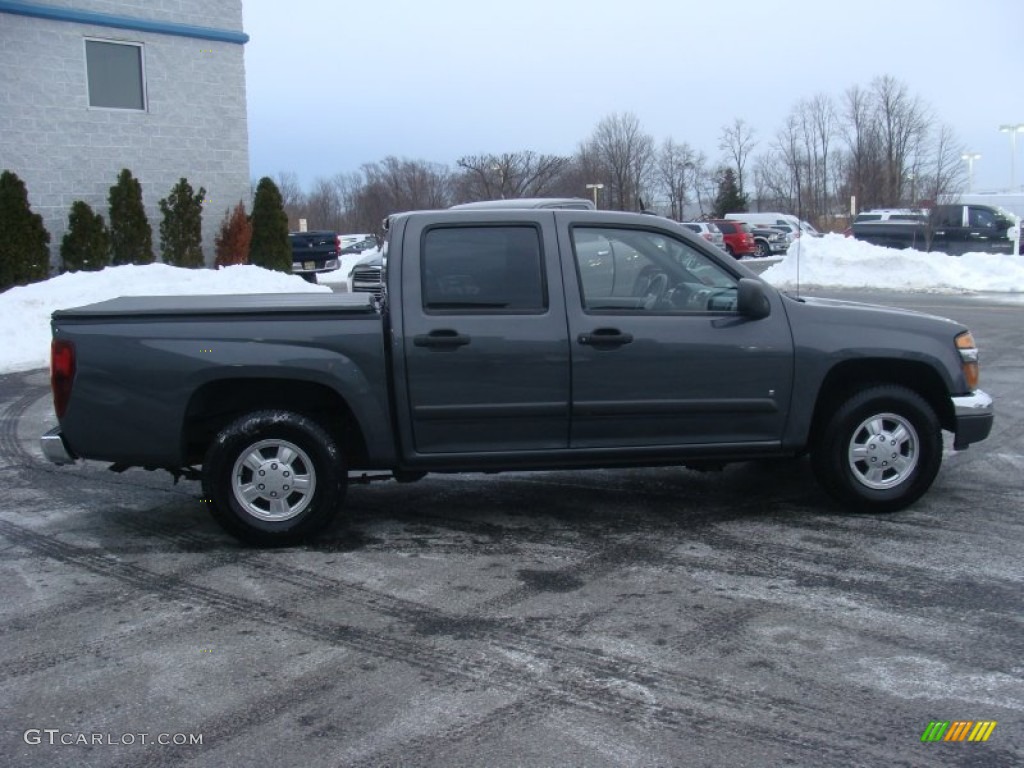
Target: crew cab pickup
<point>952,229</point>
<point>511,340</point>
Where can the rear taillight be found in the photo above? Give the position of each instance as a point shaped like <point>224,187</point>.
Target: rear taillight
<point>62,374</point>
<point>707,236</point>
<point>337,243</point>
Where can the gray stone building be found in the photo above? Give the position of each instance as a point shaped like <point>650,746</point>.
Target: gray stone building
<point>88,87</point>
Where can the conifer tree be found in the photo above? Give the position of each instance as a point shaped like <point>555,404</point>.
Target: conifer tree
<point>270,247</point>
<point>234,238</point>
<point>24,251</point>
<point>181,229</point>
<point>131,237</point>
<point>86,244</point>
<point>730,199</point>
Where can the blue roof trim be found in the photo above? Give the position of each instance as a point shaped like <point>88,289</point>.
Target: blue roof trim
<point>122,22</point>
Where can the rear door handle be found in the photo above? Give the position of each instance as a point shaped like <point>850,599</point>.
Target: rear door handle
<point>440,338</point>
<point>605,337</point>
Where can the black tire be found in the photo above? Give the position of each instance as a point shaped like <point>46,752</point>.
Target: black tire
<point>848,458</point>
<point>309,277</point>
<point>730,251</point>
<point>304,482</point>
<point>763,249</point>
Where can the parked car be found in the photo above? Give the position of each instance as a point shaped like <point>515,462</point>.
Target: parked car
<point>314,252</point>
<point>708,230</point>
<point>739,239</point>
<point>770,241</point>
<point>786,221</point>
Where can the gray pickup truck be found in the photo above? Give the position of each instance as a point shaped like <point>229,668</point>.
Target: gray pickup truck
<point>511,340</point>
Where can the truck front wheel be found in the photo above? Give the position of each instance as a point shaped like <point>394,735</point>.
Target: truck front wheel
<point>880,450</point>
<point>274,478</point>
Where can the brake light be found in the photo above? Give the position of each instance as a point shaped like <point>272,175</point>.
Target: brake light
<point>337,243</point>
<point>62,374</point>
<point>968,358</point>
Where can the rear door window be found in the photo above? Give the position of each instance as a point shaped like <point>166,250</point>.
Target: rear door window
<point>483,269</point>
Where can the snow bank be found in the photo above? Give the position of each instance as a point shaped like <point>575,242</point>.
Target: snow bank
<point>835,261</point>
<point>25,311</point>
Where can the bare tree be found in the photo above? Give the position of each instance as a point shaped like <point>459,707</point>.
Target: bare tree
<point>292,197</point>
<point>398,184</point>
<point>737,140</point>
<point>509,175</point>
<point>674,172</point>
<point>942,173</point>
<point>323,205</point>
<point>624,155</point>
<point>903,123</point>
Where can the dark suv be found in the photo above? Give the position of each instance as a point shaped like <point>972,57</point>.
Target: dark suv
<point>739,239</point>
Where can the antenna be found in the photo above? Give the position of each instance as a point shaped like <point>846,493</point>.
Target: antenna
<point>799,229</point>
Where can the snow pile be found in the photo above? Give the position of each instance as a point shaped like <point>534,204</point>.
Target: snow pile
<point>843,262</point>
<point>25,311</point>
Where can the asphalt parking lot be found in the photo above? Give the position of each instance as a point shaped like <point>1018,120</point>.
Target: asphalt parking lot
<point>651,617</point>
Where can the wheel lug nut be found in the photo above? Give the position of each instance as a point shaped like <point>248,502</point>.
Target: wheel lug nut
<point>273,466</point>
<point>261,486</point>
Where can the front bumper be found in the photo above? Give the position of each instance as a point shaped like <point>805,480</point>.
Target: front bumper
<point>55,449</point>
<point>973,415</point>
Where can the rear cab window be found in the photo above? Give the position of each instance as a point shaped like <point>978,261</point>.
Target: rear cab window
<point>483,269</point>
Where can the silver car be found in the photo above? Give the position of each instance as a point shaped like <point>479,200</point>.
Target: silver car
<point>708,230</point>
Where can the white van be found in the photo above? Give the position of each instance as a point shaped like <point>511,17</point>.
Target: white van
<point>786,221</point>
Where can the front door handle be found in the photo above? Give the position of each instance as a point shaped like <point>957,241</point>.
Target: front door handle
<point>605,337</point>
<point>440,338</point>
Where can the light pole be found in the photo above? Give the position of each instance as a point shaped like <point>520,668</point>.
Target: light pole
<point>970,157</point>
<point>1013,130</point>
<point>595,187</point>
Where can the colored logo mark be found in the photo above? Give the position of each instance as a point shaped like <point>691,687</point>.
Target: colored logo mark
<point>958,730</point>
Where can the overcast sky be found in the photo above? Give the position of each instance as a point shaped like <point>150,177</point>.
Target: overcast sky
<point>333,85</point>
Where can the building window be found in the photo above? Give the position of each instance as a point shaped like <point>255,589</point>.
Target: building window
<point>116,76</point>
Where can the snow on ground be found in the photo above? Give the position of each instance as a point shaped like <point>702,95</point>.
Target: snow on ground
<point>832,261</point>
<point>25,311</point>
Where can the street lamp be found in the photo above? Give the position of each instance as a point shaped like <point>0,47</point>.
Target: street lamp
<point>595,187</point>
<point>970,157</point>
<point>1013,130</point>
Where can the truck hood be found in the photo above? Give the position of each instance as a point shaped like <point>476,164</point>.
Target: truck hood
<point>872,314</point>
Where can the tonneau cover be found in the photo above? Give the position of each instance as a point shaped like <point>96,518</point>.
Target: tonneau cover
<point>223,304</point>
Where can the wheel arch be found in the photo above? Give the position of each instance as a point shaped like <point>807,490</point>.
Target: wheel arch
<point>851,376</point>
<point>216,404</point>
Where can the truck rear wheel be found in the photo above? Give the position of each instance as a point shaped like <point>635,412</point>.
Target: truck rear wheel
<point>274,478</point>
<point>880,451</point>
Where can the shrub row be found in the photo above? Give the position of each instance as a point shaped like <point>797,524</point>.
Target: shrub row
<point>91,244</point>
